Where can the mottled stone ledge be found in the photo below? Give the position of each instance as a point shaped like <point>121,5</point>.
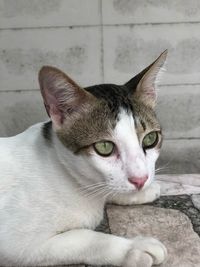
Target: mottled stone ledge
<point>184,204</point>
<point>174,184</point>
<point>172,227</point>
<point>196,201</point>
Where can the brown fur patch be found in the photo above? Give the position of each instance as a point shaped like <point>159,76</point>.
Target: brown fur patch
<point>93,124</point>
<point>146,121</point>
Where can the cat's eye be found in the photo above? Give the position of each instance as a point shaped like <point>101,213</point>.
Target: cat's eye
<point>150,140</point>
<point>104,148</point>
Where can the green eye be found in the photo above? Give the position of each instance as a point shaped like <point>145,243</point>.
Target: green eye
<point>104,148</point>
<point>150,140</point>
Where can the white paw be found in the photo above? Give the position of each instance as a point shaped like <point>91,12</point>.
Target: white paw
<point>149,194</point>
<point>143,247</point>
<point>152,192</point>
<point>137,258</point>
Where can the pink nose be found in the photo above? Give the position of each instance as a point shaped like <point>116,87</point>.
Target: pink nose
<point>138,181</point>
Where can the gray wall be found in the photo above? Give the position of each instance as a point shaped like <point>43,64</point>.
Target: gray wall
<point>105,41</point>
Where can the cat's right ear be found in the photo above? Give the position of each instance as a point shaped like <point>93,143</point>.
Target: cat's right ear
<point>62,96</point>
<point>143,85</point>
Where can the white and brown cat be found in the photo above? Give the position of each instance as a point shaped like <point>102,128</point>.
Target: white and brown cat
<point>100,145</point>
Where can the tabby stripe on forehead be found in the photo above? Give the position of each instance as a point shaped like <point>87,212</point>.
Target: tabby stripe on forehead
<point>139,123</point>
<point>143,125</point>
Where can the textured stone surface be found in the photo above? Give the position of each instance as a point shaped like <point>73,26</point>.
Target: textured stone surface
<point>129,49</point>
<point>24,52</point>
<point>45,13</point>
<point>165,224</point>
<point>196,201</point>
<point>182,203</point>
<point>19,110</point>
<point>174,102</point>
<point>187,179</point>
<point>170,189</point>
<point>179,184</point>
<point>132,11</point>
<point>180,156</point>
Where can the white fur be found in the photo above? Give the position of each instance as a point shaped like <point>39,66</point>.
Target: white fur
<point>47,211</point>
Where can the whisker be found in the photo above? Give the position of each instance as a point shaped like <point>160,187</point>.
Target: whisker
<point>91,187</point>
<point>103,192</point>
<point>112,193</point>
<point>94,192</point>
<point>99,189</point>
<point>164,167</point>
<point>106,190</point>
<point>161,169</point>
<point>99,183</point>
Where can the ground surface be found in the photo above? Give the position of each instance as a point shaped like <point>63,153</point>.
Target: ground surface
<point>174,220</point>
<point>184,204</point>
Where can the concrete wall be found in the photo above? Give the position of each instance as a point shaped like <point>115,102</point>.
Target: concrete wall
<point>105,41</point>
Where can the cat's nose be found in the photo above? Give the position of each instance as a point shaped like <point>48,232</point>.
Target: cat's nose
<point>138,182</point>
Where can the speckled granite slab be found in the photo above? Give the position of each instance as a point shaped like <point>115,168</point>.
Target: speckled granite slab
<point>172,227</point>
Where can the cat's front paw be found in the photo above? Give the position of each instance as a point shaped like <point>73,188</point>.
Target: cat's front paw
<point>145,252</point>
<point>148,195</point>
<point>152,192</point>
<point>137,258</point>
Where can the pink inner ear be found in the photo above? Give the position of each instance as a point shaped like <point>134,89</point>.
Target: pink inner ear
<point>150,91</point>
<point>52,107</point>
<point>56,115</point>
<point>62,96</point>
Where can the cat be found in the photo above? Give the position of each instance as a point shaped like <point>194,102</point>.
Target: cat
<point>100,145</point>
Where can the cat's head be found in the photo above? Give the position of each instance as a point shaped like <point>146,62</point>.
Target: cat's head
<point>111,130</point>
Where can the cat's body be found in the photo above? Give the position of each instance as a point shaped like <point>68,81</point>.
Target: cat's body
<point>44,198</point>
<point>54,183</point>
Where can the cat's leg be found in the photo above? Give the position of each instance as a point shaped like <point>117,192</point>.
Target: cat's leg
<point>151,193</point>
<point>90,247</point>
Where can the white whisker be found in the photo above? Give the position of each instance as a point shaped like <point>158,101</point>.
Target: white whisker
<point>164,167</point>
<point>91,187</point>
<point>94,192</point>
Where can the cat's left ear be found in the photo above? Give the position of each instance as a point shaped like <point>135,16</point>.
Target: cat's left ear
<point>143,85</point>
<point>63,98</point>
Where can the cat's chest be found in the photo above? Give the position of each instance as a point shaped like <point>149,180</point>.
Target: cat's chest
<point>80,214</point>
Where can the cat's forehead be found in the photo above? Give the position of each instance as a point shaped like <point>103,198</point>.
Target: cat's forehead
<point>116,96</point>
